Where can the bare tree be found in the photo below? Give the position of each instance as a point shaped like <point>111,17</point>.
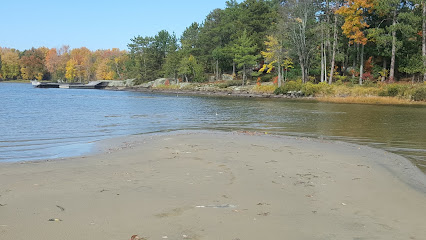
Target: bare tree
<point>299,17</point>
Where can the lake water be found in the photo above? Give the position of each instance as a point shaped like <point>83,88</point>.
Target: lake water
<point>54,123</point>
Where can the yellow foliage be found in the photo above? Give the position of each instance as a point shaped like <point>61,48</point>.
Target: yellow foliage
<point>25,73</point>
<point>71,69</point>
<point>110,75</point>
<point>354,24</point>
<point>39,76</point>
<point>264,89</point>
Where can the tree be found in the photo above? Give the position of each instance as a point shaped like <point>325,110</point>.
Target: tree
<point>32,64</point>
<point>424,38</point>
<point>298,18</point>
<point>71,70</point>
<point>149,54</point>
<point>83,63</point>
<point>190,69</point>
<point>104,71</point>
<point>244,50</point>
<point>274,55</point>
<point>355,22</point>
<point>9,63</point>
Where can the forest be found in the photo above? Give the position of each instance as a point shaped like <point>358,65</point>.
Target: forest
<point>356,41</point>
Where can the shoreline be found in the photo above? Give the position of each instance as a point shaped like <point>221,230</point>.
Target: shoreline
<point>372,100</point>
<point>215,185</point>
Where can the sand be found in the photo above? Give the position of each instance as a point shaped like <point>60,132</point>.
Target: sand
<point>215,186</point>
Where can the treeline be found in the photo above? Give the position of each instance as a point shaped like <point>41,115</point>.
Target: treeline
<point>64,64</point>
<point>320,41</point>
<point>316,41</point>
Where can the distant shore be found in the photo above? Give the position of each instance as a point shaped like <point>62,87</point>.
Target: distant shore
<point>209,185</point>
<point>247,92</point>
<point>250,94</point>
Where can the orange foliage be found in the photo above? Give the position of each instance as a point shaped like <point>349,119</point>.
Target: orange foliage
<point>368,65</point>
<point>353,12</point>
<point>275,80</point>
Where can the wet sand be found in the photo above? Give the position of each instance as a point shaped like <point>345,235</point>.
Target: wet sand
<point>215,186</point>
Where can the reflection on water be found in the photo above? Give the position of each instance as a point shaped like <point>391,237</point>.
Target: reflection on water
<point>50,123</point>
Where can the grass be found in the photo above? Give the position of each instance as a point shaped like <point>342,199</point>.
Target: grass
<point>17,81</point>
<point>372,93</point>
<point>264,89</point>
<point>369,100</point>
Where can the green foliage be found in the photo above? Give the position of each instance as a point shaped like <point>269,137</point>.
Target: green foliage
<point>244,50</point>
<point>190,69</point>
<point>267,77</point>
<point>289,86</point>
<point>229,83</point>
<point>312,89</point>
<point>149,54</point>
<point>419,94</point>
<point>393,90</point>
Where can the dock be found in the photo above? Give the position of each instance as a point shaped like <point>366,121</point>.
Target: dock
<point>90,85</point>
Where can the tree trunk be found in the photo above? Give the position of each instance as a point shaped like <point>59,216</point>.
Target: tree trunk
<point>302,66</point>
<point>322,63</point>
<point>328,32</point>
<point>361,67</point>
<point>354,62</point>
<point>392,66</point>
<point>118,71</point>
<point>346,61</point>
<point>424,40</point>
<point>233,69</point>
<point>217,69</point>
<point>334,51</point>
<point>279,72</point>
<point>244,74</point>
<point>325,64</point>
<point>384,70</point>
<point>286,71</point>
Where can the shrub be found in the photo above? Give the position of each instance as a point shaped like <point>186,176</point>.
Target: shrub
<point>264,89</point>
<point>230,83</point>
<point>419,94</point>
<point>267,78</point>
<point>289,86</point>
<point>311,89</point>
<point>393,90</point>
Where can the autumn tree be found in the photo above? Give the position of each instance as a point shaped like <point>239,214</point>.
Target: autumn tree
<point>104,71</point>
<point>71,70</point>
<point>56,61</point>
<point>32,64</point>
<point>274,55</point>
<point>354,12</point>
<point>9,63</point>
<point>83,63</point>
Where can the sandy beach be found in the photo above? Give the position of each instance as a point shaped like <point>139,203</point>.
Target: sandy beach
<point>211,185</point>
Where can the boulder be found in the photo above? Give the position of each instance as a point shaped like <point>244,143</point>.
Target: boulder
<point>227,77</point>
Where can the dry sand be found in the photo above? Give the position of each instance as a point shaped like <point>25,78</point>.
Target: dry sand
<point>215,186</point>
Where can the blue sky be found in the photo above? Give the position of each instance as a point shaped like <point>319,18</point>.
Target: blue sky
<point>94,24</point>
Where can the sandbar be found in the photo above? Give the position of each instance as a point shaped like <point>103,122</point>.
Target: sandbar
<point>213,185</point>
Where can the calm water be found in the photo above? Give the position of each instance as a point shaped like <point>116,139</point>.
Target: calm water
<point>51,123</point>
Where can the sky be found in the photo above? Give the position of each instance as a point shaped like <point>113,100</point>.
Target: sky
<point>95,24</point>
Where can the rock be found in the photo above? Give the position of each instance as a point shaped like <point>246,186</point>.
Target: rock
<point>227,77</point>
<point>147,85</point>
<point>294,94</point>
